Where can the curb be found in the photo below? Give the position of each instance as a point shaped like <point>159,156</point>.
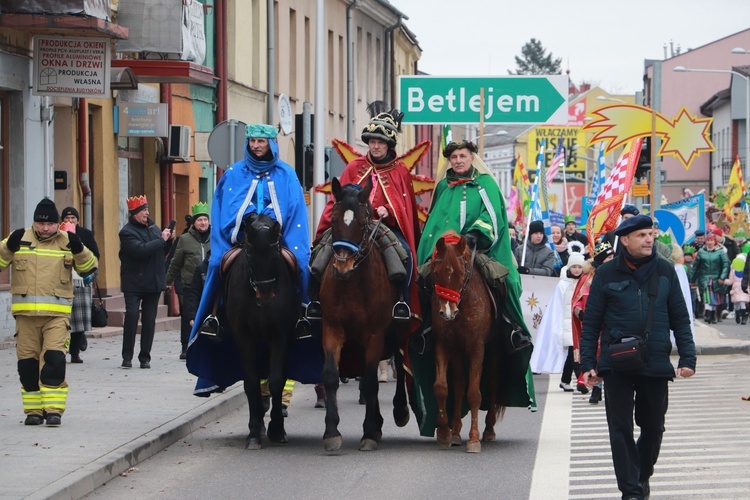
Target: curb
<point>717,349</point>
<point>86,479</point>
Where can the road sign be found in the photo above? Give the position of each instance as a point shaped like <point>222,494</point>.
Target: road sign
<point>285,114</point>
<point>507,99</point>
<point>640,190</point>
<point>220,141</point>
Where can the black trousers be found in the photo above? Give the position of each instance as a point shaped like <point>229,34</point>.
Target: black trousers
<point>185,327</point>
<point>634,462</point>
<point>570,367</point>
<point>135,304</point>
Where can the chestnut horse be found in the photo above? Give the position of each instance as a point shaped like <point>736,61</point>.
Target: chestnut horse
<point>261,310</point>
<point>357,301</point>
<point>460,337</point>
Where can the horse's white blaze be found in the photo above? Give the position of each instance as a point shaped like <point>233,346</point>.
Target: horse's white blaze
<point>348,217</point>
<point>447,309</point>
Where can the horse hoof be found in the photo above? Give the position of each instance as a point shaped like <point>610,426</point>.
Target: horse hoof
<point>278,438</point>
<point>368,445</point>
<point>444,443</point>
<point>488,436</point>
<point>332,443</point>
<point>401,418</point>
<point>473,447</point>
<point>252,443</point>
<point>456,440</point>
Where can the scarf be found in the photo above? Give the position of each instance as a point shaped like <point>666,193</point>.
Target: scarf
<point>262,164</point>
<point>562,246</point>
<point>388,158</point>
<point>455,179</point>
<point>643,266</point>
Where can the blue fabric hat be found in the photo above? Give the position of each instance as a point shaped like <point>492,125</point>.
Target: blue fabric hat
<point>700,232</point>
<point>633,224</point>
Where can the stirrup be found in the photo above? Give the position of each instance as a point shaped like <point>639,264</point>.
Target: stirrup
<point>210,326</point>
<point>303,329</point>
<point>401,311</point>
<point>314,312</point>
<point>519,340</point>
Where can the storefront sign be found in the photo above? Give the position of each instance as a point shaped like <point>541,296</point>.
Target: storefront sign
<point>143,120</point>
<point>73,67</point>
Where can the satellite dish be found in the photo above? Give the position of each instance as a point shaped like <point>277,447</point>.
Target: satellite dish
<point>285,114</point>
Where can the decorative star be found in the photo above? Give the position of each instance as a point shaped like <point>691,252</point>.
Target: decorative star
<point>420,183</point>
<point>532,301</point>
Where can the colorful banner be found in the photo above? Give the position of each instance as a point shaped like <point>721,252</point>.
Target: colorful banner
<point>689,214</point>
<point>571,137</point>
<point>537,292</point>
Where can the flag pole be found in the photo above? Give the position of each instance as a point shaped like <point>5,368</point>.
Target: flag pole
<point>566,209</point>
<point>481,123</point>
<point>619,219</point>
<point>528,222</point>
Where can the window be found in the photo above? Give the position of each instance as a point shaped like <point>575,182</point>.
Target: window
<point>131,149</point>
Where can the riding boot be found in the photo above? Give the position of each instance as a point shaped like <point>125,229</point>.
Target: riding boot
<point>210,327</point>
<point>519,339</point>
<point>314,312</point>
<point>401,310</point>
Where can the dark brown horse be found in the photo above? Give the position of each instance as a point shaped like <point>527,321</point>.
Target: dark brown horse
<point>460,337</point>
<point>261,310</point>
<point>357,300</point>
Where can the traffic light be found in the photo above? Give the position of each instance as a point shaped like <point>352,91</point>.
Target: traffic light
<point>643,168</point>
<point>303,154</point>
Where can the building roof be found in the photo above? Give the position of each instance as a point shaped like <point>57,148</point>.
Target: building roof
<point>717,100</point>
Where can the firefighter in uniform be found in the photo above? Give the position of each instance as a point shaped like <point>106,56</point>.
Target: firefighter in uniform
<point>43,258</point>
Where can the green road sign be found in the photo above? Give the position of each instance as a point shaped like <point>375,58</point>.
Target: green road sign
<point>507,99</point>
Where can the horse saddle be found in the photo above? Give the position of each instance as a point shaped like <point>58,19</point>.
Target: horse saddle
<point>231,255</point>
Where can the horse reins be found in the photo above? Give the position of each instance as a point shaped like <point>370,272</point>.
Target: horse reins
<point>251,273</point>
<point>359,251</point>
<point>446,293</point>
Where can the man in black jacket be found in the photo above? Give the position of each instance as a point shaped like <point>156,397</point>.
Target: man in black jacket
<point>143,247</point>
<point>618,308</point>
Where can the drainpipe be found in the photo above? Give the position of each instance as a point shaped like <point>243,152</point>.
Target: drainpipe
<point>83,160</point>
<point>271,61</point>
<point>165,170</point>
<point>221,69</point>
<point>350,73</point>
<point>387,61</point>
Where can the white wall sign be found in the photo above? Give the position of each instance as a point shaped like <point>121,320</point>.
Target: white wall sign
<point>74,67</point>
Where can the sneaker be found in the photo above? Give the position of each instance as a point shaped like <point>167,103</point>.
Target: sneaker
<point>33,419</point>
<point>314,312</point>
<point>210,326</point>
<point>596,395</point>
<point>53,419</point>
<point>566,387</point>
<point>582,388</point>
<point>126,363</point>
<point>401,311</point>
<point>344,380</point>
<point>284,411</point>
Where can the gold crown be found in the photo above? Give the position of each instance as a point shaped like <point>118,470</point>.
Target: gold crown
<point>602,247</point>
<point>137,201</point>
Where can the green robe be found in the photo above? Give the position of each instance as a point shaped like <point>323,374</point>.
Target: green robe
<point>448,212</point>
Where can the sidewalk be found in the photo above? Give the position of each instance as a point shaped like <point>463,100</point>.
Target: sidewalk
<point>117,418</point>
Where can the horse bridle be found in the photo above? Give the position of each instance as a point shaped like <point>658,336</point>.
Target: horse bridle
<point>360,250</point>
<point>446,293</point>
<point>251,272</point>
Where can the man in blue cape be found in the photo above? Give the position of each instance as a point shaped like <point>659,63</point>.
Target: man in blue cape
<point>260,183</point>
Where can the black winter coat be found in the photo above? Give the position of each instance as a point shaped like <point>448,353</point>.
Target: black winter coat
<point>619,306</point>
<point>87,238</point>
<point>194,292</point>
<point>142,253</point>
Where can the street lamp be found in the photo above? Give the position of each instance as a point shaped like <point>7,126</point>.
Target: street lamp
<point>493,134</point>
<point>740,50</point>
<point>682,69</point>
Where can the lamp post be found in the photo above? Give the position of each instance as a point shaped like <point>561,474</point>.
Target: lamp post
<point>605,98</point>
<point>681,69</point>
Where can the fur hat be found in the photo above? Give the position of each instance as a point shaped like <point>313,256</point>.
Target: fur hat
<point>384,125</point>
<point>46,211</point>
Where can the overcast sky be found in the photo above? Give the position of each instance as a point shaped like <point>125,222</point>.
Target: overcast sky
<point>603,42</point>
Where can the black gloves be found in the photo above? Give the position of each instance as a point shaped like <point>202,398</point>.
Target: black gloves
<point>523,270</point>
<point>14,240</point>
<point>472,237</point>
<point>75,243</point>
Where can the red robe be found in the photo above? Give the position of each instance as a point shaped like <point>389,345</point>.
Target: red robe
<point>392,188</point>
<point>580,297</point>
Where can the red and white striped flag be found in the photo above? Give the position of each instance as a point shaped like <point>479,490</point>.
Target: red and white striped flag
<point>557,161</point>
<point>606,211</point>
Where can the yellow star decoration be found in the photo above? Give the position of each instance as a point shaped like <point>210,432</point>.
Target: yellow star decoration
<point>684,138</point>
<point>532,301</point>
<point>420,183</point>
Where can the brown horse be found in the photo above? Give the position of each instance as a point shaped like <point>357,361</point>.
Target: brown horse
<point>461,338</point>
<point>357,300</point>
<point>261,310</point>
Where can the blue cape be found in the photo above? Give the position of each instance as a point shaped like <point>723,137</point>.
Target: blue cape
<point>252,186</point>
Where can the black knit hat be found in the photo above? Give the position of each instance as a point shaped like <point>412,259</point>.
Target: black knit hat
<point>536,227</point>
<point>70,211</point>
<point>46,211</point>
